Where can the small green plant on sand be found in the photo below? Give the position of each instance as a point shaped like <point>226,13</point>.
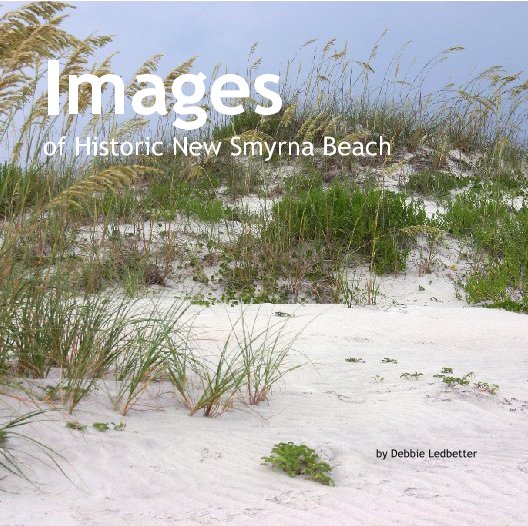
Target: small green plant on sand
<point>298,459</point>
<point>352,359</point>
<point>443,372</point>
<point>74,424</point>
<point>389,360</point>
<point>411,376</point>
<point>104,426</point>
<point>378,378</point>
<point>485,386</point>
<point>282,314</point>
<point>119,427</point>
<point>101,426</point>
<point>451,381</point>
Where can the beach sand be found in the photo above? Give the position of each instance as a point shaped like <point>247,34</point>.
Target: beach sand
<point>166,467</point>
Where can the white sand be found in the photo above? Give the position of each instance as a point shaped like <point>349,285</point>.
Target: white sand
<point>169,468</point>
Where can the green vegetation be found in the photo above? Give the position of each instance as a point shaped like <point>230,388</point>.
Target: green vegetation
<point>75,425</point>
<point>498,233</point>
<point>389,360</point>
<point>433,184</point>
<point>343,219</point>
<point>80,237</point>
<point>298,459</point>
<point>452,381</point>
<point>411,376</point>
<point>443,372</point>
<point>101,426</point>
<point>486,387</point>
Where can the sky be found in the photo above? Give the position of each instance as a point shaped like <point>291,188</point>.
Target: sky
<point>492,32</point>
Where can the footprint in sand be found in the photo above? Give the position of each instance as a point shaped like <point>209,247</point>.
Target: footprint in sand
<point>299,500</point>
<point>211,516</point>
<point>523,466</point>
<point>515,405</point>
<point>208,454</point>
<point>419,493</point>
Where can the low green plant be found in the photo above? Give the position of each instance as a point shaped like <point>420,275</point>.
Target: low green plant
<point>77,426</point>
<point>452,381</point>
<point>354,360</point>
<point>411,376</point>
<point>488,388</point>
<point>389,360</point>
<point>443,372</point>
<point>378,378</point>
<point>102,427</point>
<point>299,459</point>
<point>118,427</point>
<point>281,314</point>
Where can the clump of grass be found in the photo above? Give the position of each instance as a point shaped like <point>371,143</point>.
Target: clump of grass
<point>45,326</point>
<point>251,361</point>
<point>220,382</point>
<point>142,360</point>
<point>312,236</point>
<point>21,190</point>
<point>498,234</point>
<point>355,291</point>
<point>265,353</point>
<point>428,250</point>
<point>347,219</point>
<point>126,262</point>
<point>438,185</point>
<point>170,194</point>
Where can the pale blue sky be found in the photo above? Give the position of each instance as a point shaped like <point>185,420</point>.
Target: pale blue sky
<point>492,32</point>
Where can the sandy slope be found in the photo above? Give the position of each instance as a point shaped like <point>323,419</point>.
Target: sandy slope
<point>169,468</point>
